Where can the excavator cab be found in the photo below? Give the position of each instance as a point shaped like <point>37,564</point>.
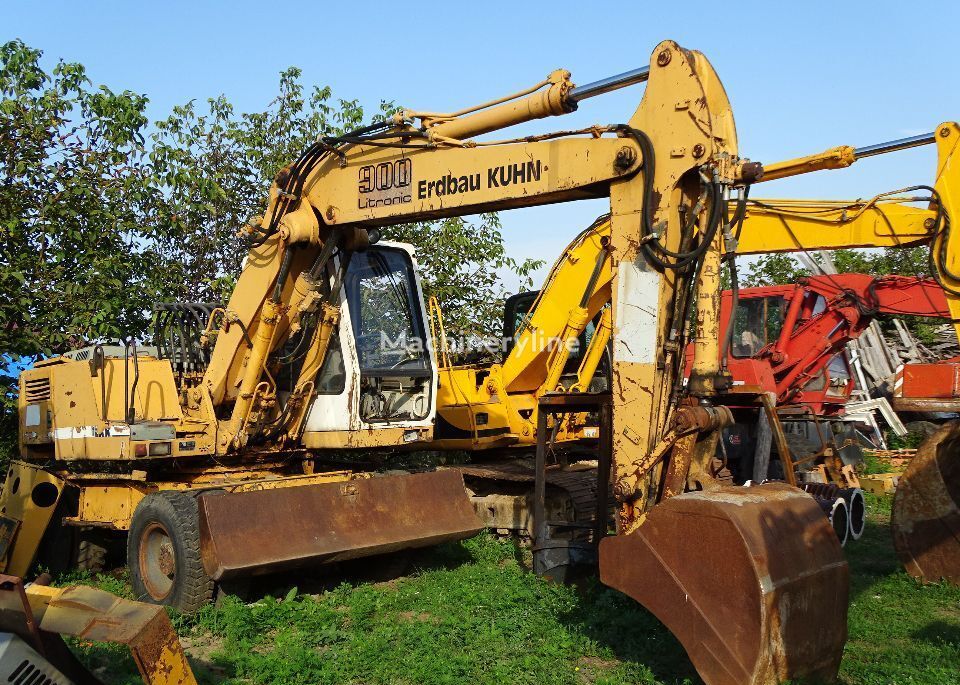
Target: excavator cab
<point>757,323</point>
<point>379,368</point>
<point>516,316</point>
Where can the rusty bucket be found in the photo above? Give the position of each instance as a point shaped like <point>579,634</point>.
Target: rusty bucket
<point>248,533</point>
<point>926,509</point>
<point>751,581</point>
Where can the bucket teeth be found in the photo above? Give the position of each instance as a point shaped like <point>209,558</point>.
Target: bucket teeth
<point>752,581</point>
<point>925,520</point>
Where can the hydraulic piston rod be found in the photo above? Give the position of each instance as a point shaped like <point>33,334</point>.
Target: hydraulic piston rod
<point>560,98</point>
<point>894,145</point>
<point>609,84</point>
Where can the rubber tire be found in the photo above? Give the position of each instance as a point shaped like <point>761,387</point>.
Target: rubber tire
<point>179,514</point>
<point>91,551</point>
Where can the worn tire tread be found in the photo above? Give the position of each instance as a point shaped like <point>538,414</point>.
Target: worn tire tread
<point>194,588</point>
<point>91,556</point>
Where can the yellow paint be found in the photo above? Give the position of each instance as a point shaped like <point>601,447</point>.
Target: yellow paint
<point>30,496</point>
<point>97,616</point>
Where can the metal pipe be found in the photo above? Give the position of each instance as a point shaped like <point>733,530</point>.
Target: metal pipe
<point>894,145</point>
<point>606,85</point>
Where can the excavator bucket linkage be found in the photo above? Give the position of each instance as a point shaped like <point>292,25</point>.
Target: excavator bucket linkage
<point>273,530</point>
<point>752,581</point>
<point>926,509</point>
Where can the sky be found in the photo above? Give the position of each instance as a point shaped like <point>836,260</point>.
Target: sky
<point>801,76</point>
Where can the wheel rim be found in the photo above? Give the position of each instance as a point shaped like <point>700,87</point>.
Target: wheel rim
<point>158,561</point>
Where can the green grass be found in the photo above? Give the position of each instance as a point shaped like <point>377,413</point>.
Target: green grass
<point>899,631</point>
<point>470,612</point>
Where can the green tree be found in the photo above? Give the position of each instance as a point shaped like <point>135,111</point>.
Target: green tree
<point>216,167</point>
<point>772,269</point>
<point>75,256</point>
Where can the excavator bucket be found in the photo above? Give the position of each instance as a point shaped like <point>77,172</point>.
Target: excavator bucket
<point>926,509</point>
<point>249,533</point>
<point>751,581</point>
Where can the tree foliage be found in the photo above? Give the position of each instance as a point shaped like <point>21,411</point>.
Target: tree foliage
<point>779,269</point>
<point>216,167</point>
<point>103,213</point>
<point>76,261</point>
<point>773,269</point>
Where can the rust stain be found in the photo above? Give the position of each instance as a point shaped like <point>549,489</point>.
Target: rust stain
<point>289,528</point>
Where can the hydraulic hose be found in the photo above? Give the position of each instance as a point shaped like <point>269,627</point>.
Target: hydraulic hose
<point>737,223</point>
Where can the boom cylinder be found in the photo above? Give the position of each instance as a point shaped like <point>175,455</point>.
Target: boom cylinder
<point>706,343</point>
<point>262,343</point>
<point>894,145</point>
<point>840,157</point>
<point>560,98</point>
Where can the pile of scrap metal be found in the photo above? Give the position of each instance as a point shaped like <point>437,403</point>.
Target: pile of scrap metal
<point>34,617</point>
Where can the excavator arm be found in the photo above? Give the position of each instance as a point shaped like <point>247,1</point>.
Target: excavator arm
<point>887,220</point>
<point>925,519</point>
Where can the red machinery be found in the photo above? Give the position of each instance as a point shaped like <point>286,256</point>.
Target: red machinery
<point>785,337</point>
<point>786,342</point>
<point>931,387</point>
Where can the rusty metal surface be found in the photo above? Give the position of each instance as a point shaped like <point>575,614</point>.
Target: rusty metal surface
<point>271,530</point>
<point>42,614</point>
<point>99,616</point>
<point>572,493</point>
<point>17,617</point>
<point>678,466</point>
<point>924,404</point>
<point>752,581</point>
<point>925,520</point>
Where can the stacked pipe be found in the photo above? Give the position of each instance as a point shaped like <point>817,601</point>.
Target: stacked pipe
<point>844,507</point>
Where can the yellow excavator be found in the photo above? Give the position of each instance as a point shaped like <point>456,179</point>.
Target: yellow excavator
<point>494,407</point>
<point>489,406</point>
<point>212,449</point>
